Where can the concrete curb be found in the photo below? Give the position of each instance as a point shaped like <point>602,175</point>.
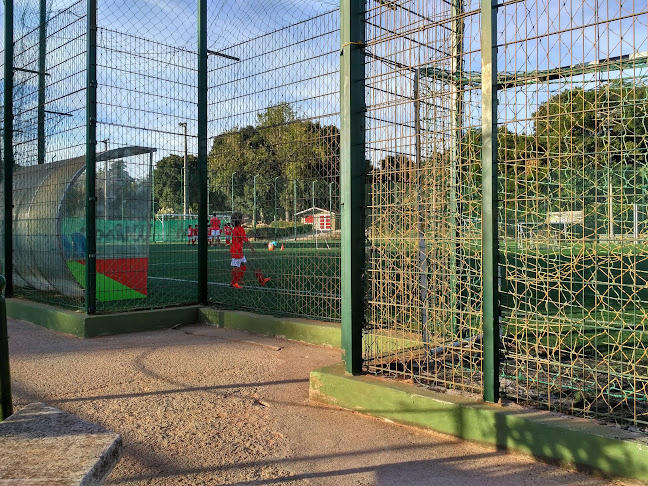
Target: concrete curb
<point>312,332</point>
<point>84,325</point>
<point>558,438</point>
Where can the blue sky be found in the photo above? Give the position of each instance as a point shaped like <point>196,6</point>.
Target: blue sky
<point>143,103</point>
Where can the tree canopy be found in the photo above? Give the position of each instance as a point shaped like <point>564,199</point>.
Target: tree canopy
<point>279,149</point>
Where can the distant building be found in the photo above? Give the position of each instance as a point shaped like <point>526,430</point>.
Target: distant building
<point>321,219</point>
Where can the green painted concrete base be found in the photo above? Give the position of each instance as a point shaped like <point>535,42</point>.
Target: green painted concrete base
<point>84,325</point>
<point>566,440</point>
<point>312,332</point>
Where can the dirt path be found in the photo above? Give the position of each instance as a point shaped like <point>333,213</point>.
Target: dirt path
<point>206,406</point>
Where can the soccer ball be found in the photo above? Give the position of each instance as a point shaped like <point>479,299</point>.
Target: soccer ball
<point>271,246</point>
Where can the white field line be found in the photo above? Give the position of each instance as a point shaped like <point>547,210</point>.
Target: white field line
<point>265,288</point>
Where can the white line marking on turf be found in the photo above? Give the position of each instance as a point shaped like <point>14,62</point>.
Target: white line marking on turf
<point>220,284</point>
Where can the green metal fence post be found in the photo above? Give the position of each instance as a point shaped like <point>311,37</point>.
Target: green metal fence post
<point>490,251</point>
<point>202,152</point>
<point>6,402</point>
<point>91,159</point>
<point>295,207</point>
<point>42,50</point>
<point>352,180</point>
<point>7,144</point>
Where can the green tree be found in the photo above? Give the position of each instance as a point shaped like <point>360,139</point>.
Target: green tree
<point>278,150</point>
<point>593,140</point>
<point>168,181</point>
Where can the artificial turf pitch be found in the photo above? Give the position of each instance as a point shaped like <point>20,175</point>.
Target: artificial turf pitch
<point>304,279</point>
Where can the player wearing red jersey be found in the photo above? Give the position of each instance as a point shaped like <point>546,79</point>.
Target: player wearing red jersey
<point>215,232</point>
<point>227,231</point>
<point>236,252</point>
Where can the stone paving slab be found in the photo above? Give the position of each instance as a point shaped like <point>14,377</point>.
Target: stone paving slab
<point>43,445</point>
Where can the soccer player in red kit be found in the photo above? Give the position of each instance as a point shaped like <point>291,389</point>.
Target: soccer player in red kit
<point>227,231</point>
<point>215,225</point>
<point>236,252</point>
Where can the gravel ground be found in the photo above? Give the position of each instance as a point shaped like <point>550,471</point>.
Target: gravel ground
<point>206,406</point>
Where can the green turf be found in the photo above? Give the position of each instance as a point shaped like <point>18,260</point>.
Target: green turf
<point>305,280</point>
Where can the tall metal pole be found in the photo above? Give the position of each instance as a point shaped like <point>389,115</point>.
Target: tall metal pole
<point>330,207</point>
<point>152,172</point>
<point>42,51</point>
<point>185,178</point>
<point>6,402</point>
<point>254,212</point>
<point>203,294</point>
<point>490,250</point>
<point>105,142</point>
<point>91,160</point>
<point>313,205</point>
<point>422,244</point>
<point>7,144</point>
<point>313,210</point>
<point>275,207</point>
<point>295,207</point>
<point>352,179</point>
<point>456,125</point>
<point>233,190</point>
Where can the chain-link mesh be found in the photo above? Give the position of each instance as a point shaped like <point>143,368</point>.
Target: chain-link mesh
<point>573,148</point>
<point>49,147</point>
<point>424,302</point>
<point>146,135</point>
<point>274,155</point>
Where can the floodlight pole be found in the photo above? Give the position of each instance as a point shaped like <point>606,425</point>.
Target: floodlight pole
<point>105,142</point>
<point>330,208</point>
<point>233,190</point>
<point>7,145</point>
<point>275,208</point>
<point>254,208</point>
<point>152,173</point>
<point>295,206</point>
<point>313,210</point>
<point>185,181</point>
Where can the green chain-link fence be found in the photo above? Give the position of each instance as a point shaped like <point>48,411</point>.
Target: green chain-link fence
<point>569,275</point>
<point>476,181</point>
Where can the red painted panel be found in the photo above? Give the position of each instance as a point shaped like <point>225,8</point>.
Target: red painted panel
<point>132,272</point>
